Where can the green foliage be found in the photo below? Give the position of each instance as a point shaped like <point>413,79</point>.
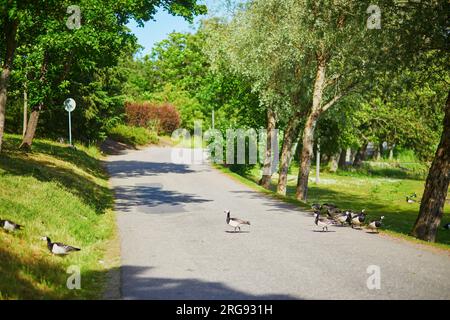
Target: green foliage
<point>55,62</point>
<point>135,136</point>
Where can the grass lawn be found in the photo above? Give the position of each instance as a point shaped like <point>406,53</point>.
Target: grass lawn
<point>61,193</point>
<point>380,196</point>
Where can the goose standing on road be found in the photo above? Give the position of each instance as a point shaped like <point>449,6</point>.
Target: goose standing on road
<point>8,225</point>
<point>374,225</point>
<point>320,223</point>
<point>343,218</point>
<point>235,222</point>
<point>359,219</point>
<point>58,248</point>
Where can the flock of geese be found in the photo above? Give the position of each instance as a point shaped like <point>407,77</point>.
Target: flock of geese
<point>55,248</point>
<point>336,216</point>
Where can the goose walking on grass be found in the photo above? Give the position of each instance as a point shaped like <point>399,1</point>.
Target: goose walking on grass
<point>374,225</point>
<point>8,225</point>
<point>324,224</point>
<point>411,197</point>
<point>58,248</point>
<point>235,222</point>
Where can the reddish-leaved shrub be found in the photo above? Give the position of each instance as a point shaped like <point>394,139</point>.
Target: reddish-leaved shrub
<point>165,117</point>
<point>138,114</point>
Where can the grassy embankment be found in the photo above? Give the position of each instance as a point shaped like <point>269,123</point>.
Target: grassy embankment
<point>62,193</point>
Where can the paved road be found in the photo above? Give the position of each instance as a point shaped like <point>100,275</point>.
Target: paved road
<point>175,243</point>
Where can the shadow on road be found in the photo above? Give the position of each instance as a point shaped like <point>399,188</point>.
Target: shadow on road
<point>153,199</point>
<point>126,169</point>
<point>141,287</point>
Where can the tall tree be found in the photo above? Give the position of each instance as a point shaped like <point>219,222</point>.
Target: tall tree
<point>436,186</point>
<point>29,22</point>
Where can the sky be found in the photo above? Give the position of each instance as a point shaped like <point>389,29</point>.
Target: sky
<point>163,25</point>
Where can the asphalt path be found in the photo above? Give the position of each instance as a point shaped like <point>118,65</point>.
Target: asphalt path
<point>175,243</point>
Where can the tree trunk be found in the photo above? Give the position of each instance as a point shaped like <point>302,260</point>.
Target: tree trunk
<point>34,116</point>
<point>380,151</point>
<point>436,187</point>
<point>360,155</point>
<point>307,153</point>
<point>268,161</point>
<point>308,132</point>
<point>10,30</point>
<point>6,72</point>
<point>376,153</point>
<point>25,111</point>
<point>31,128</point>
<point>287,151</point>
<point>391,153</point>
<point>334,162</point>
<point>342,159</point>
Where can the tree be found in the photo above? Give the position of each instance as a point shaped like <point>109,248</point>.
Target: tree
<point>41,25</point>
<point>252,44</point>
<point>436,186</point>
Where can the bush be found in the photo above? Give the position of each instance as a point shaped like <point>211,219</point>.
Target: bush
<point>138,114</point>
<point>160,117</point>
<point>167,116</point>
<point>132,135</point>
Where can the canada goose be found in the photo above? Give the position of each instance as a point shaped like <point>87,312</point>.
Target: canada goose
<point>359,219</point>
<point>316,207</point>
<point>8,225</point>
<point>320,223</point>
<point>58,248</point>
<point>235,222</point>
<point>374,225</point>
<point>447,226</point>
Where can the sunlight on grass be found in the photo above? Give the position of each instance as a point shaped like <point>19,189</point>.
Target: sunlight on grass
<point>58,192</point>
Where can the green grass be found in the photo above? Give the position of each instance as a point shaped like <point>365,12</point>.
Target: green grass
<point>378,195</point>
<point>58,192</point>
<point>135,136</point>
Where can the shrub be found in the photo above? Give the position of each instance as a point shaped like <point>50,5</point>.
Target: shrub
<point>167,116</point>
<point>132,135</point>
<point>160,117</point>
<point>138,114</point>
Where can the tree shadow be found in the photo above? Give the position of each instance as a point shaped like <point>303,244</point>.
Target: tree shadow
<point>136,286</point>
<point>126,169</point>
<point>153,199</point>
<point>97,197</point>
<point>22,278</point>
<point>78,158</point>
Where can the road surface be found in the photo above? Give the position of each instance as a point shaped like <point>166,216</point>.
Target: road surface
<point>175,243</point>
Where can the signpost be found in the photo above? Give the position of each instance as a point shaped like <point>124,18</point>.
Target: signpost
<point>69,105</point>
